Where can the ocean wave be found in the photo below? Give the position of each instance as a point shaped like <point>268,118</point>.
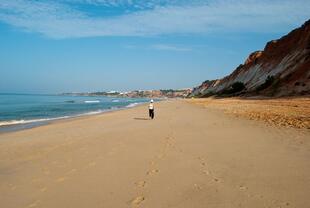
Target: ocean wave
<point>132,105</point>
<point>90,113</point>
<point>92,101</point>
<point>115,101</point>
<point>22,121</point>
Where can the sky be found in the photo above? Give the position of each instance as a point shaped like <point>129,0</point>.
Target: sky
<point>54,46</point>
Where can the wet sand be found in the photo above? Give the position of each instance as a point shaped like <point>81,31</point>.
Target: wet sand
<point>188,156</point>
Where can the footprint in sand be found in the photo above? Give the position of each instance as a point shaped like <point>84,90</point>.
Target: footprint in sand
<point>140,184</point>
<point>206,172</point>
<point>243,187</point>
<point>197,186</point>
<point>136,201</point>
<point>151,172</point>
<point>216,179</point>
<point>203,164</point>
<point>168,144</point>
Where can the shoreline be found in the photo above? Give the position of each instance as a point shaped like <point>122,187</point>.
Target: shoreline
<point>29,125</point>
<point>212,103</point>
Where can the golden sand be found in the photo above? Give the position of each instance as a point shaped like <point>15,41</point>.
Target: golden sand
<point>189,156</point>
<point>289,112</point>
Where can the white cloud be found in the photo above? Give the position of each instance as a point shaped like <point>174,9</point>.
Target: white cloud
<point>61,19</point>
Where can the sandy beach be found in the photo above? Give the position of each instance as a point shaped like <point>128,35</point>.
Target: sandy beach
<point>189,156</point>
<point>286,112</point>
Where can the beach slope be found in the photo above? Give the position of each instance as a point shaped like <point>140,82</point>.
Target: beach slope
<point>188,156</point>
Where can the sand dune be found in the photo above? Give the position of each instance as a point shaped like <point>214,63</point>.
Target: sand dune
<point>189,156</point>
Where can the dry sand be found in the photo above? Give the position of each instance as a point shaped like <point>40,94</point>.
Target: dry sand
<point>189,156</point>
<point>287,112</point>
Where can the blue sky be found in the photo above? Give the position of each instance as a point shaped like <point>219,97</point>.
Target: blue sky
<point>94,45</point>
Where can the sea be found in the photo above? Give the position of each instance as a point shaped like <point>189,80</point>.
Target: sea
<point>21,111</point>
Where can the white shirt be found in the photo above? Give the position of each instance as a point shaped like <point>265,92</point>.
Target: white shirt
<point>151,106</point>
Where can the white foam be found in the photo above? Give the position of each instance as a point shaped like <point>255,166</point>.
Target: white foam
<point>132,105</point>
<point>14,122</point>
<point>22,121</point>
<point>92,101</point>
<point>90,113</point>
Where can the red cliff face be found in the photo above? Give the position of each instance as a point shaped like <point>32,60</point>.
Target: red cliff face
<point>281,69</point>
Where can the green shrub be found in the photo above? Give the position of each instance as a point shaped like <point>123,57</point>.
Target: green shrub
<point>268,82</point>
<point>237,87</point>
<point>208,94</point>
<point>234,88</point>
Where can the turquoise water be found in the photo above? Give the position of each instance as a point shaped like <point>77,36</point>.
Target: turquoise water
<point>24,111</point>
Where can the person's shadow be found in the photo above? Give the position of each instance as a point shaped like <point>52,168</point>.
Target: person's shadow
<point>142,119</point>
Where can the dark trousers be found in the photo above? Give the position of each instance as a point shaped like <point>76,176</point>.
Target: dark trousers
<point>151,113</point>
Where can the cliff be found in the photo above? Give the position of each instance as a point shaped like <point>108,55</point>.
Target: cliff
<point>281,69</point>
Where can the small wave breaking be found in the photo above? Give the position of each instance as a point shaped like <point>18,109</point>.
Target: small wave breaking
<point>22,121</point>
<point>132,105</point>
<point>43,120</point>
<point>92,101</point>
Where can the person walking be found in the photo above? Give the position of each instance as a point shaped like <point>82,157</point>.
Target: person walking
<point>151,109</point>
